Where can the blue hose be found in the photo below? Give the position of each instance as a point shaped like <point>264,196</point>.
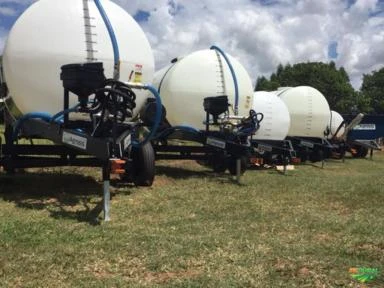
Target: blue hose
<point>41,115</point>
<point>116,72</point>
<point>187,128</point>
<point>233,76</point>
<point>159,112</point>
<point>111,32</point>
<point>35,115</point>
<point>60,115</point>
<point>168,131</point>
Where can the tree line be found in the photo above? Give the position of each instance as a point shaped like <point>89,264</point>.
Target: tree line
<point>333,83</point>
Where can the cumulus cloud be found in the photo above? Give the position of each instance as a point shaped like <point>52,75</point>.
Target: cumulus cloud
<point>261,33</point>
<point>13,7</point>
<point>18,2</point>
<point>7,11</point>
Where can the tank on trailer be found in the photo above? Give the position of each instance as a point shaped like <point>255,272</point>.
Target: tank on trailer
<point>270,146</point>
<point>336,126</point>
<point>52,33</point>
<point>207,97</point>
<point>308,109</point>
<point>185,83</point>
<point>60,49</point>
<point>276,121</point>
<point>310,114</point>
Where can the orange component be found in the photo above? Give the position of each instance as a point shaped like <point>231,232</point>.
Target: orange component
<point>353,270</point>
<point>295,160</point>
<point>117,166</point>
<point>256,161</point>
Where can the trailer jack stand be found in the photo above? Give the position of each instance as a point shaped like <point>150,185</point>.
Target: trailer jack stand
<point>106,191</point>
<point>238,170</point>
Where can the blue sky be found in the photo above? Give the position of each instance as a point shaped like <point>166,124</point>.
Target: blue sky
<point>260,33</point>
<point>332,50</point>
<point>142,16</point>
<point>10,12</point>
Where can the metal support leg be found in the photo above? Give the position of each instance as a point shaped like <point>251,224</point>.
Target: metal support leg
<point>285,163</point>
<point>66,106</point>
<point>106,192</point>
<point>238,170</point>
<point>322,156</point>
<point>371,154</point>
<point>343,151</point>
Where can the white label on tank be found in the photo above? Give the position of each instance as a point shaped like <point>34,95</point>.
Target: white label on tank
<point>365,127</point>
<point>75,140</point>
<point>216,142</point>
<point>307,144</point>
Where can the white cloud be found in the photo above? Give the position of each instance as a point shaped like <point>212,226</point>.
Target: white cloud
<point>10,8</point>
<point>19,2</point>
<point>264,36</point>
<point>7,11</point>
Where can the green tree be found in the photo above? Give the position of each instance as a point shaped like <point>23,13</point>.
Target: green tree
<point>262,84</point>
<point>333,83</point>
<point>373,90</point>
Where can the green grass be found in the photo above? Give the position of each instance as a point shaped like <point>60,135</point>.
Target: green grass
<point>194,228</point>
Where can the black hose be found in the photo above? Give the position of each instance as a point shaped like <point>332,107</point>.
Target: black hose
<point>116,99</point>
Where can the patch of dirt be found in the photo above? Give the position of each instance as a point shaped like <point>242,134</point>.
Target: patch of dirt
<point>163,277</point>
<point>323,237</point>
<point>303,272</point>
<point>284,267</point>
<point>101,270</point>
<point>189,164</point>
<point>370,247</point>
<point>162,181</point>
<point>341,209</point>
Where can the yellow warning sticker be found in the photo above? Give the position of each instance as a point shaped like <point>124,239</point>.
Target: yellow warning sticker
<point>138,73</point>
<point>248,102</point>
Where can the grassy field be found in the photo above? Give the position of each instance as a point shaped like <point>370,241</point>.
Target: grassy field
<point>194,228</point>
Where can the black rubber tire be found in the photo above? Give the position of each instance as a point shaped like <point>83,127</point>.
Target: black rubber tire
<point>303,155</point>
<point>143,159</point>
<point>219,163</point>
<point>362,152</point>
<point>316,156</point>
<point>232,165</point>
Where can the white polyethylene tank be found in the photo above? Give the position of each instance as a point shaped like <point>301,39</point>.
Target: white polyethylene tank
<point>184,85</point>
<point>309,111</point>
<point>51,33</point>
<point>334,123</point>
<point>276,121</point>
